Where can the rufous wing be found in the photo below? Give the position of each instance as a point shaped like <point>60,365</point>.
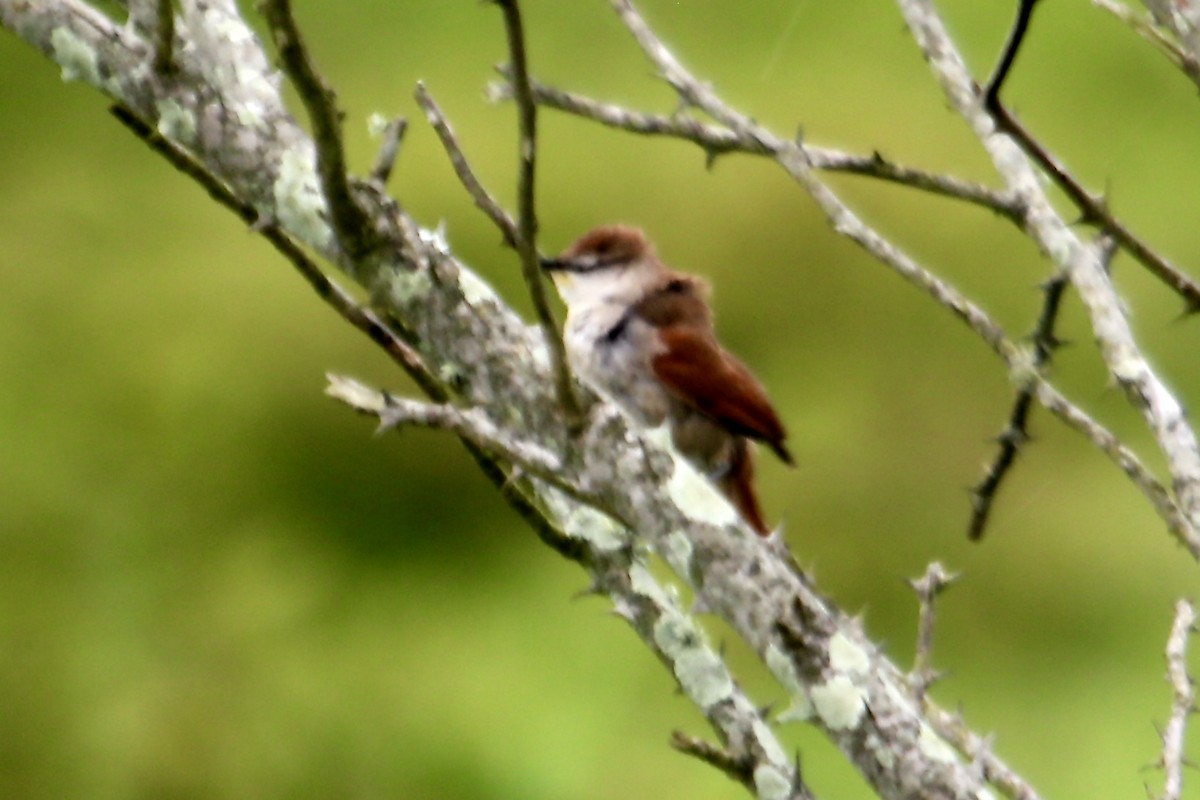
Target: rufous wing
<point>695,368</point>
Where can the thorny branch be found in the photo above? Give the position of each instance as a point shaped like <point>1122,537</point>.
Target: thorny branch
<point>1016,433</point>
<point>1183,703</point>
<point>1095,209</point>
<point>798,159</point>
<point>717,140</point>
<point>709,554</point>
<point>1162,412</point>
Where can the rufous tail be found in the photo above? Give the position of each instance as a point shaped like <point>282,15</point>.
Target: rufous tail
<point>738,485</point>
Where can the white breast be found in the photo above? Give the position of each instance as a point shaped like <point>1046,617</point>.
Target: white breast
<point>617,367</point>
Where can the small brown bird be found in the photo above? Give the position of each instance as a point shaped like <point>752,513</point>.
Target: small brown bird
<point>642,336</point>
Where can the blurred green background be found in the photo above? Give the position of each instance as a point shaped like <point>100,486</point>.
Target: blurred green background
<point>214,583</point>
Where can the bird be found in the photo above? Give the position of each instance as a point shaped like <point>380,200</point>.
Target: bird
<point>641,335</point>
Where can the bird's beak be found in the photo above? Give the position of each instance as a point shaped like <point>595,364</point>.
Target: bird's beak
<point>553,265</point>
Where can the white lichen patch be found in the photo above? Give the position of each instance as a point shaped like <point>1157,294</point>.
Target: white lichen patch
<point>377,125</point>
<point>697,498</point>
<point>677,551</point>
<point>700,672</point>
<point>782,668</point>
<point>299,204</point>
<point>408,286</point>
<point>770,745</point>
<point>935,747</point>
<point>771,784</point>
<point>883,754</point>
<point>598,529</point>
<point>839,703</point>
<point>175,122</point>
<point>643,582</point>
<point>475,289</point>
<point>76,57</point>
<point>799,708</point>
<point>847,655</point>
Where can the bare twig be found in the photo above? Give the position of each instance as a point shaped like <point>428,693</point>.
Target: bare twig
<point>979,749</point>
<point>1183,702</point>
<point>718,140</point>
<point>1094,208</point>
<point>392,136</point>
<point>164,37</point>
<point>527,224</point>
<point>462,168</point>
<point>350,223</point>
<point>471,424</point>
<point>931,584</point>
<point>1016,432</point>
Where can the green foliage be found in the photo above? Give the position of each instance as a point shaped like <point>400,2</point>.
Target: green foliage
<point>215,583</point>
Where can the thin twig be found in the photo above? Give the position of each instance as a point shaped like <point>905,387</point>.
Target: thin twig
<point>738,769</point>
<point>1094,208</point>
<point>527,224</point>
<point>351,225</point>
<point>935,580</point>
<point>462,168</point>
<point>471,424</point>
<point>392,137</point>
<point>954,730</point>
<point>717,140</point>
<point>1016,432</point>
<point>1183,703</point>
<point>164,38</point>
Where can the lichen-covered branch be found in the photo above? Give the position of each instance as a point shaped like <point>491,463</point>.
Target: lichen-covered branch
<point>1183,701</point>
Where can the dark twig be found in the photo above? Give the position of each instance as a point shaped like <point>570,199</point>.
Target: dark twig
<point>389,150</point>
<point>1012,46</point>
<point>1094,208</point>
<point>527,225</point>
<point>738,769</point>
<point>350,223</point>
<point>1016,432</point>
<point>935,580</point>
<point>1183,702</point>
<point>164,38</point>
<point>462,168</point>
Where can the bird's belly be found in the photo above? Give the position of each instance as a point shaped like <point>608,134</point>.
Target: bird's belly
<point>620,371</point>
